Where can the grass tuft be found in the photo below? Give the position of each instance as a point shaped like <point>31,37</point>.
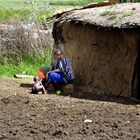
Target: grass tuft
<point>28,65</point>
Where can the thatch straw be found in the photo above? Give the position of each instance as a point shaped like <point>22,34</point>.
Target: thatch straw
<point>125,15</point>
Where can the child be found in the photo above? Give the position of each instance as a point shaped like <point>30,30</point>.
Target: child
<point>43,73</point>
<point>38,86</point>
<point>40,81</point>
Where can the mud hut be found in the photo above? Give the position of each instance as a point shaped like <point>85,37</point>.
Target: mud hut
<point>103,43</point>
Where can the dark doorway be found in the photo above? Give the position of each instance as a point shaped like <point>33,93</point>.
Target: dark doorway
<point>136,78</point>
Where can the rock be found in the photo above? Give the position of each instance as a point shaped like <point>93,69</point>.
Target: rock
<point>69,88</point>
<point>88,121</point>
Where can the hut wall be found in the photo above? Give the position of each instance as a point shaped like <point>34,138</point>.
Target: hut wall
<point>103,60</point>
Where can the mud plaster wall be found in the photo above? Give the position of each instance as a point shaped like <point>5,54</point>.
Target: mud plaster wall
<point>103,61</point>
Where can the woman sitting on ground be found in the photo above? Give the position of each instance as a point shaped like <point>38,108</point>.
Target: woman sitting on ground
<point>62,72</point>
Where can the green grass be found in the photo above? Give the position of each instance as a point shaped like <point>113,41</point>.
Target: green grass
<point>13,14</point>
<point>29,65</point>
<point>72,2</point>
<point>116,16</point>
<point>9,70</point>
<point>16,4</point>
<point>7,15</point>
<point>19,9</point>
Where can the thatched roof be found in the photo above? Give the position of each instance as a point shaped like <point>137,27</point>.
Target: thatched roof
<point>126,15</point>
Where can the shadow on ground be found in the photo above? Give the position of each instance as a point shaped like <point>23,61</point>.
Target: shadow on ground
<point>106,98</point>
<point>26,85</point>
<point>92,96</point>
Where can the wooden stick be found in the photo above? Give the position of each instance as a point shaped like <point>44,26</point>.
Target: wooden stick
<point>23,76</point>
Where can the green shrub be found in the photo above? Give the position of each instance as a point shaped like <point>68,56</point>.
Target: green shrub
<point>28,65</point>
<point>13,14</point>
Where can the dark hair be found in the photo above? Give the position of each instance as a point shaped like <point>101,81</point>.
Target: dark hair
<point>57,51</point>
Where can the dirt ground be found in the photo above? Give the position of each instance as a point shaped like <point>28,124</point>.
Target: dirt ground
<point>25,116</point>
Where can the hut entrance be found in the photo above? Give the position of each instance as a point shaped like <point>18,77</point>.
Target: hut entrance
<point>136,78</point>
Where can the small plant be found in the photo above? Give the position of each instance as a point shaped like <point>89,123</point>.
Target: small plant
<point>121,16</point>
<point>127,14</point>
<point>108,13</point>
<point>116,16</point>
<point>111,15</point>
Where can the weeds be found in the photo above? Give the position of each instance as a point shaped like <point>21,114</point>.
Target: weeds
<point>30,49</point>
<point>28,64</point>
<point>7,15</point>
<point>108,13</point>
<point>116,16</point>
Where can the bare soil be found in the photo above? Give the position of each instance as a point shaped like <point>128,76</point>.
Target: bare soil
<point>25,116</point>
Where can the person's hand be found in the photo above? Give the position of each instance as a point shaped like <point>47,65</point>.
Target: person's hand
<point>49,72</point>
